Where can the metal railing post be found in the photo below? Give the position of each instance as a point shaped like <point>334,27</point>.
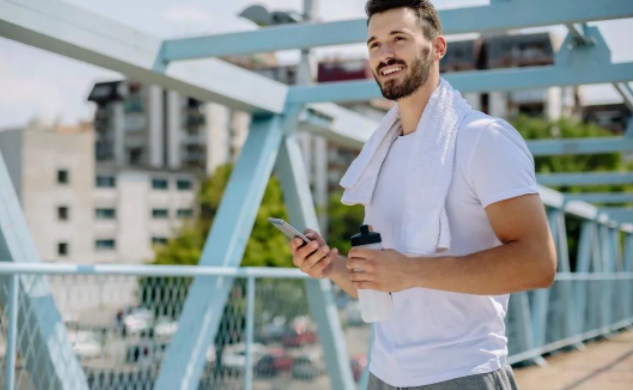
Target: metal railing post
<point>12,333</point>
<point>250,319</point>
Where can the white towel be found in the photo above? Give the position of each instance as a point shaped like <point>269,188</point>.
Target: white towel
<point>430,167</point>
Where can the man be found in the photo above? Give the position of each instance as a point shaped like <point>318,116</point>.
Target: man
<point>448,328</point>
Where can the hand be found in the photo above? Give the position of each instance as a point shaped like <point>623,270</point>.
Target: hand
<point>384,270</point>
<point>315,258</point>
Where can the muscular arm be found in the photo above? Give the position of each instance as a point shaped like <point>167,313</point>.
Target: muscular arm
<point>526,260</point>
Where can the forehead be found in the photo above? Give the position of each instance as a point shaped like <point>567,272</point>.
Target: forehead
<point>394,19</point>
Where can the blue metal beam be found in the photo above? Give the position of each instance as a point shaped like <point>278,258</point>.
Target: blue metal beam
<point>225,245</point>
<point>587,179</point>
<point>337,124</point>
<point>47,353</point>
<point>476,81</point>
<point>65,29</point>
<point>619,214</point>
<point>580,146</point>
<point>627,94</point>
<point>628,133</point>
<point>597,197</point>
<point>496,17</point>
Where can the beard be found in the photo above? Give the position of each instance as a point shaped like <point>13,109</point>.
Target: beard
<point>419,74</point>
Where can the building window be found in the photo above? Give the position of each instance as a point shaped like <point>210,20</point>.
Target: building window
<point>63,176</point>
<point>159,241</point>
<point>105,213</point>
<point>62,213</point>
<point>62,249</point>
<point>160,213</point>
<point>105,245</point>
<point>184,184</point>
<point>160,184</point>
<point>103,181</point>
<point>135,155</point>
<point>184,213</point>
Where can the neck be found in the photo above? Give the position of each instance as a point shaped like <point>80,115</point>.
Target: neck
<point>412,107</point>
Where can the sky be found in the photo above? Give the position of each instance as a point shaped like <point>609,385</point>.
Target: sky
<point>37,84</point>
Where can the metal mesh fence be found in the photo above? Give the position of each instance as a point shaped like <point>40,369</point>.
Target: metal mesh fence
<point>120,326</point>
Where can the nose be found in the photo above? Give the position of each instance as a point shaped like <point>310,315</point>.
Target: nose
<point>386,53</point>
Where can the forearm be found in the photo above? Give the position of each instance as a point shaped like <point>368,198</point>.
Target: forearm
<point>340,276</point>
<point>512,267</point>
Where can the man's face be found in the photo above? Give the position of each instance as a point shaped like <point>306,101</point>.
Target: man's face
<point>399,54</point>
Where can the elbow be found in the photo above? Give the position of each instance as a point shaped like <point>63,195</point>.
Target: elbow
<point>547,273</point>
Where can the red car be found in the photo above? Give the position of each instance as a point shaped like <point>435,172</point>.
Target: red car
<point>292,338</point>
<point>274,361</point>
<point>359,362</point>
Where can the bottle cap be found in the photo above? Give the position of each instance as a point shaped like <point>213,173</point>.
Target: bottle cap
<point>365,237</point>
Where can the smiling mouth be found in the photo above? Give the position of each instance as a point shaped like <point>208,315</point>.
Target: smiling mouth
<point>391,71</point>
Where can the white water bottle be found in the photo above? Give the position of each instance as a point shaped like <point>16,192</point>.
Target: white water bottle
<point>374,305</point>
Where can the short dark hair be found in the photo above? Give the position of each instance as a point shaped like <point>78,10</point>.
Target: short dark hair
<point>426,12</point>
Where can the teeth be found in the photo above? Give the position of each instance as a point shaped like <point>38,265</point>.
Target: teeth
<point>390,71</point>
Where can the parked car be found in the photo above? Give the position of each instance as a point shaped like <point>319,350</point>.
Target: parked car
<point>145,351</point>
<point>271,333</point>
<point>234,356</point>
<point>359,362</point>
<point>135,320</point>
<point>165,327</point>
<point>84,343</point>
<point>274,361</point>
<point>293,338</point>
<point>307,367</point>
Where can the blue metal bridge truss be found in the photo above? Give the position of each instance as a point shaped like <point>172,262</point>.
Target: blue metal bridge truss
<point>278,111</point>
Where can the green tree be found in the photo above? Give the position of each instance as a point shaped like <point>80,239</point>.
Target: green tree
<point>266,246</point>
<point>344,222</point>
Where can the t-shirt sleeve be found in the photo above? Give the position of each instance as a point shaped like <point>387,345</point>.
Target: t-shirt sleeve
<point>501,166</point>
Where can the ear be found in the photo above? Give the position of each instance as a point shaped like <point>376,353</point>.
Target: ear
<point>439,48</point>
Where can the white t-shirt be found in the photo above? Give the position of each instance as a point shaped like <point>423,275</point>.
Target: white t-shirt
<point>437,335</point>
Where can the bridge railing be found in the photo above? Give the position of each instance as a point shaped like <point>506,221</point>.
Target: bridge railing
<point>120,319</point>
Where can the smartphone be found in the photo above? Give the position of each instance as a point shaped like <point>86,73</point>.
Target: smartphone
<point>287,229</point>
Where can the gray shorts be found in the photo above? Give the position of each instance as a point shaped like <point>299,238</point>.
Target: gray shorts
<point>502,379</point>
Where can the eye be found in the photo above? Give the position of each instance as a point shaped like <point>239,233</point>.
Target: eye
<point>373,45</point>
<point>399,39</point>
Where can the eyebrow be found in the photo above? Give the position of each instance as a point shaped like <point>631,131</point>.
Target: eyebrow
<point>394,32</point>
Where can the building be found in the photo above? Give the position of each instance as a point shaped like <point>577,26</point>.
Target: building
<point>144,125</point>
<point>84,211</point>
<point>612,116</point>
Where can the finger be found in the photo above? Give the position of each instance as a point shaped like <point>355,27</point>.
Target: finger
<point>307,249</point>
<point>365,285</point>
<point>321,265</point>
<point>355,263</point>
<point>317,256</point>
<point>359,252</point>
<point>362,277</point>
<point>314,236</point>
<point>295,243</point>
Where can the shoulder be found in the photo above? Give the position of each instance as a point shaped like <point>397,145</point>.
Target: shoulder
<point>479,127</point>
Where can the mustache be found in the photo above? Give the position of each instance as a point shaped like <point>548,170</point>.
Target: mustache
<point>381,66</point>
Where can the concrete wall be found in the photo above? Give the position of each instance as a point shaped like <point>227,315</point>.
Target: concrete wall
<point>133,198</point>
<point>45,153</point>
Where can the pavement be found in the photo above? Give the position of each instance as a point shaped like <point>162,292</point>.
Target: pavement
<point>605,364</point>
